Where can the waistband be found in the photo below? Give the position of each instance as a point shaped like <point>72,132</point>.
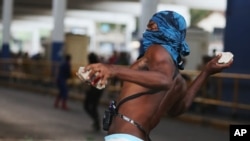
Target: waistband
<point>121,137</point>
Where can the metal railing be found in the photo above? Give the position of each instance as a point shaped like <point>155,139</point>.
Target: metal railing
<point>234,104</point>
<point>41,71</point>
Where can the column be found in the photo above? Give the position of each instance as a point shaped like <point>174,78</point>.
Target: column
<point>59,9</point>
<point>236,40</point>
<point>148,8</point>
<point>7,17</point>
<point>236,35</point>
<point>36,42</point>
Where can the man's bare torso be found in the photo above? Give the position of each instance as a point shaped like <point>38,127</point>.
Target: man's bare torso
<point>147,109</point>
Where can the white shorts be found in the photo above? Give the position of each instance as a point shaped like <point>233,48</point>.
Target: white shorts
<point>121,137</point>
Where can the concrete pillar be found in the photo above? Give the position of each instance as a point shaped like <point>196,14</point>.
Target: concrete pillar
<point>148,8</point>
<point>36,43</point>
<point>236,40</point>
<point>236,37</point>
<point>59,9</point>
<point>7,17</point>
<point>128,38</point>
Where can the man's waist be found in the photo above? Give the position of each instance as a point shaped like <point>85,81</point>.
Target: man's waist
<point>121,126</point>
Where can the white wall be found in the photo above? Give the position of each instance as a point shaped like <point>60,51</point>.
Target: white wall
<point>198,41</point>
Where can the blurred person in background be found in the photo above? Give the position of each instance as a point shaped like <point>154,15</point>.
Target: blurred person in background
<point>92,98</point>
<point>153,85</point>
<point>113,59</point>
<point>123,59</point>
<point>63,74</point>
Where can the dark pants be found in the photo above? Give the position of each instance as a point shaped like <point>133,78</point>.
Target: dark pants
<point>63,89</point>
<point>63,94</point>
<point>91,103</point>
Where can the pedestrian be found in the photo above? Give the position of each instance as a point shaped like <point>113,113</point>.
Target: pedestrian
<point>92,98</point>
<point>153,85</point>
<point>63,74</point>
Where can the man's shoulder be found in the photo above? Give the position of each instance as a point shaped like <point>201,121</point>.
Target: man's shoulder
<point>156,48</point>
<point>158,51</point>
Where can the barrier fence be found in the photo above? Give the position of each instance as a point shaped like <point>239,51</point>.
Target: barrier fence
<point>234,104</point>
<point>13,71</point>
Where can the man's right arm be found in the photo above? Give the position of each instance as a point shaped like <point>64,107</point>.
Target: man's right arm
<point>158,75</point>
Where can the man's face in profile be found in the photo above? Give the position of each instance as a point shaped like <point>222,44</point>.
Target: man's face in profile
<point>152,26</point>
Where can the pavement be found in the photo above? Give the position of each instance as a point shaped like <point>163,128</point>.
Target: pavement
<point>30,116</point>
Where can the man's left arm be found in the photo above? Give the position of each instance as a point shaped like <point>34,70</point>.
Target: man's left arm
<point>211,68</point>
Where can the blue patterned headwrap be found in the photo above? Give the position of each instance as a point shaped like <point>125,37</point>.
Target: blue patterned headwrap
<point>171,35</point>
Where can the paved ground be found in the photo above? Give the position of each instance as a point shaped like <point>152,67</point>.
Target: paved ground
<point>27,116</point>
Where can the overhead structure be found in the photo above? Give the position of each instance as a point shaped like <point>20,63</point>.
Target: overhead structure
<point>84,14</point>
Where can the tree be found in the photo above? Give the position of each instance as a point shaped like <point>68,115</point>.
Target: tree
<point>197,15</point>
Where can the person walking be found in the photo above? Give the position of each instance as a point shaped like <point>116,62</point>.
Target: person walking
<point>92,98</point>
<point>64,73</point>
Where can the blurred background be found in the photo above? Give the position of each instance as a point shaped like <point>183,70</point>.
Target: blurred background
<point>37,34</point>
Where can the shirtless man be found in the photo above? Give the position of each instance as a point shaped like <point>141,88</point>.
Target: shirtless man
<point>156,77</point>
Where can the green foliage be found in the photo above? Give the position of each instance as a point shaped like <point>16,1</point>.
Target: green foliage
<point>198,15</point>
